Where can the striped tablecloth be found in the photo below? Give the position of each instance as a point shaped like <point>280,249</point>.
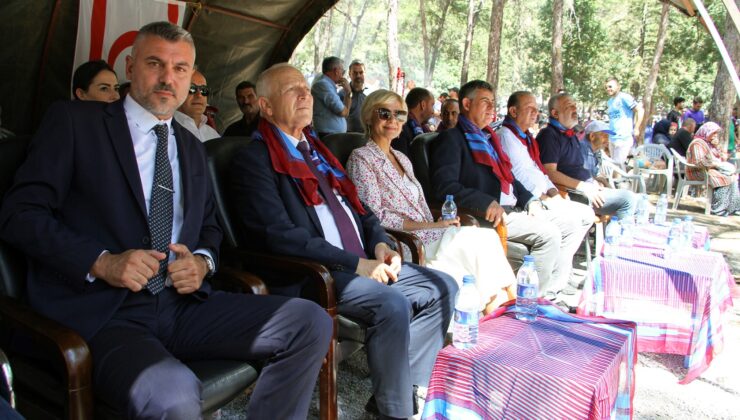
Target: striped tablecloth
<point>559,367</point>
<point>680,304</point>
<point>656,236</point>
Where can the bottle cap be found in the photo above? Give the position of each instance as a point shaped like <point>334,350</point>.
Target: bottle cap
<point>528,258</point>
<point>688,218</point>
<point>615,218</point>
<point>468,279</point>
<point>449,197</point>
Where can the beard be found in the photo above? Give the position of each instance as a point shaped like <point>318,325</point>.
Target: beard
<point>159,106</point>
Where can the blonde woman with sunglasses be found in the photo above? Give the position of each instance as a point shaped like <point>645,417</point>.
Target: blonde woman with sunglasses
<point>385,182</point>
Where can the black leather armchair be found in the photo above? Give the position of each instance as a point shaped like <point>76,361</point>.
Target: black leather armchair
<point>52,363</point>
<point>342,144</point>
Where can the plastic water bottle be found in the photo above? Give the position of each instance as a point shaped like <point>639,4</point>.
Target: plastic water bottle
<point>467,314</point>
<point>627,233</point>
<point>611,238</point>
<point>642,214</point>
<point>674,239</point>
<point>687,232</point>
<point>661,210</point>
<point>527,284</point>
<point>449,209</point>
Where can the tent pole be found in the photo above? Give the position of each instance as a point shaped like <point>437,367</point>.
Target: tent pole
<point>720,45</point>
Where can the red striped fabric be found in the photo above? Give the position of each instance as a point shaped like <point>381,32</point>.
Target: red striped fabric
<point>680,305</point>
<point>547,369</point>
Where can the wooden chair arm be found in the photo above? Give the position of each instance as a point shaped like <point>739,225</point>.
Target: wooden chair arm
<point>228,278</point>
<point>412,242</point>
<point>58,344</point>
<point>321,280</point>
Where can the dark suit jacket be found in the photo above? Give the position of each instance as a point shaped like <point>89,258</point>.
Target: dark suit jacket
<point>270,209</point>
<point>453,171</point>
<point>79,193</point>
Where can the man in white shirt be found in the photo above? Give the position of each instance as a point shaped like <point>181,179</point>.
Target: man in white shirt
<point>191,113</point>
<point>574,219</point>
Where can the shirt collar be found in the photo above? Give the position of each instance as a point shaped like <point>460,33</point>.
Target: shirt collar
<point>143,120</point>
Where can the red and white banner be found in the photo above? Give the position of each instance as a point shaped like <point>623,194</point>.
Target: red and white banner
<point>106,28</point>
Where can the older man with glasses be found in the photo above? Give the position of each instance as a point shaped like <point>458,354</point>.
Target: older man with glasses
<point>191,113</point>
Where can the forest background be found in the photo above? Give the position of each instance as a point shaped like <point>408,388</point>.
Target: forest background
<point>600,38</point>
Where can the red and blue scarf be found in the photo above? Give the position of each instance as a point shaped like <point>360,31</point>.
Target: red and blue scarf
<point>526,138</point>
<point>569,132</point>
<point>417,128</point>
<point>486,149</point>
<point>287,159</point>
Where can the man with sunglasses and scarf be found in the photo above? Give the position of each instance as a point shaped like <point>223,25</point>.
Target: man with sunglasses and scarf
<point>293,198</point>
<point>468,162</point>
<point>191,113</point>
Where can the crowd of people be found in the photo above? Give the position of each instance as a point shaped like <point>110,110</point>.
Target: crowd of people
<point>122,234</point>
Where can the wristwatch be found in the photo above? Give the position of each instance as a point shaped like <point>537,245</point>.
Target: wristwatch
<point>209,264</point>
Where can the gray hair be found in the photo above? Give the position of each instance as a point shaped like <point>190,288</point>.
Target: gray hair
<point>554,99</point>
<point>165,30</point>
<point>264,86</point>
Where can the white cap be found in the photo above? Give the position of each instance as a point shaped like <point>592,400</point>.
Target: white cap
<point>598,126</point>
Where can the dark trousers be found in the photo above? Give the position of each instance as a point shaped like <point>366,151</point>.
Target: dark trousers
<point>407,322</point>
<point>138,355</point>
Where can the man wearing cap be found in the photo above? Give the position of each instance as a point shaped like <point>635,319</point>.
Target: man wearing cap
<point>560,153</point>
<point>625,116</point>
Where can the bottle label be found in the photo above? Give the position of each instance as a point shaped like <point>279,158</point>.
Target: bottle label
<point>461,327</point>
<point>527,291</point>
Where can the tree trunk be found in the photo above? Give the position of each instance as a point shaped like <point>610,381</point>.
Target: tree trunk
<point>436,43</point>
<point>425,41</point>
<point>346,22</point>
<point>322,41</point>
<point>494,44</point>
<point>431,41</point>
<point>724,94</point>
<point>556,81</point>
<point>394,62</point>
<point>652,79</point>
<point>355,30</point>
<point>472,17</point>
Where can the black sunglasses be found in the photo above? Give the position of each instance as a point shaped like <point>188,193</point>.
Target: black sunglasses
<point>385,114</point>
<point>203,89</point>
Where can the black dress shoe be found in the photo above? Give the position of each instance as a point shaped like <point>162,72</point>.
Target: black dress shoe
<point>372,406</point>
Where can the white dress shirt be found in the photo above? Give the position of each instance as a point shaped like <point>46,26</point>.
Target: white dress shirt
<point>524,168</point>
<point>326,218</point>
<point>204,133</point>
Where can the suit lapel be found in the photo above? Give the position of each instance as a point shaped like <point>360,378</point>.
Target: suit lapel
<point>183,160</point>
<point>119,135</point>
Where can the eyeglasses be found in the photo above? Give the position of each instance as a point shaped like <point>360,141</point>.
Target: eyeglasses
<point>203,89</point>
<point>385,114</point>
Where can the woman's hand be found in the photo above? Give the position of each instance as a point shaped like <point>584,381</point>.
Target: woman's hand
<point>442,224</point>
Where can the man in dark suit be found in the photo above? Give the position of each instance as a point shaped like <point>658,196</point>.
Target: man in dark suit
<point>469,162</point>
<point>295,199</point>
<point>115,212</point>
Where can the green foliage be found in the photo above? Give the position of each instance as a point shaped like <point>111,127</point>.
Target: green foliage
<point>601,38</point>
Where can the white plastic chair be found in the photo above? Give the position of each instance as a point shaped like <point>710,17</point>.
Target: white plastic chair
<point>655,152</point>
<point>610,170</point>
<point>684,183</point>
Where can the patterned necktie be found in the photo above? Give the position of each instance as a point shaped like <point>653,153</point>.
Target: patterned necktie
<point>350,240</point>
<point>160,207</point>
